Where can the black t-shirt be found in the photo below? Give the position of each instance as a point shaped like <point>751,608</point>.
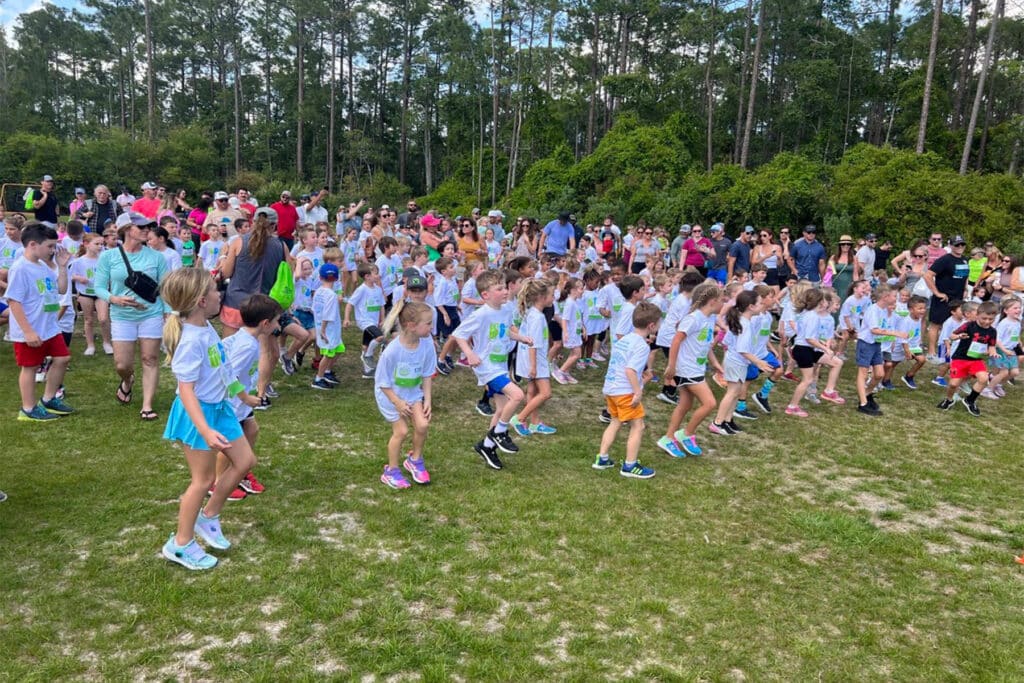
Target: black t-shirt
<point>951,275</point>
<point>45,212</point>
<point>721,245</point>
<point>977,342</point>
<point>740,250</point>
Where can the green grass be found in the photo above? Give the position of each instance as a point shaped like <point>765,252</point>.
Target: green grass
<point>839,547</point>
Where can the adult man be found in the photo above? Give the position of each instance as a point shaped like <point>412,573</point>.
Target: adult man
<point>246,202</point>
<point>935,248</point>
<point>677,244</point>
<point>125,199</point>
<point>412,212</point>
<point>697,251</point>
<point>350,219</point>
<point>495,218</point>
<point>222,214</point>
<point>947,278</point>
<point>807,257</point>
<point>287,218</point>
<point>739,253</point>
<point>44,203</point>
<point>718,267</point>
<point>557,237</point>
<point>864,260</point>
<point>97,211</point>
<point>148,205</point>
<point>313,211</point>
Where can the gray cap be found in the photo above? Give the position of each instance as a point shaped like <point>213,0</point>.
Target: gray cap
<point>267,212</point>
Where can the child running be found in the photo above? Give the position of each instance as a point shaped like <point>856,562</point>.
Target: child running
<point>572,329</point>
<point>876,328</point>
<point>201,417</point>
<point>368,304</point>
<point>1008,346</point>
<point>738,356</point>
<point>976,343</point>
<point>327,320</point>
<point>532,359</point>
<point>402,389</point>
<point>812,346</point>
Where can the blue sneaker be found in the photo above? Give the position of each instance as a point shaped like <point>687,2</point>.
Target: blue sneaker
<point>319,383</point>
<point>208,529</point>
<point>636,471</point>
<point>887,385</point>
<point>603,463</point>
<point>189,556</point>
<point>519,427</point>
<point>940,382</point>
<point>909,381</point>
<point>542,428</point>
<point>669,445</point>
<point>56,406</point>
<point>37,414</point>
<point>689,443</point>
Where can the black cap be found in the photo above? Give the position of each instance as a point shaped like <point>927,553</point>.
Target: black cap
<point>811,228</point>
<point>870,236</point>
<point>957,241</point>
<point>564,215</point>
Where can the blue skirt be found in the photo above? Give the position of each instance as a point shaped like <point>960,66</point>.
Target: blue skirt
<point>220,416</point>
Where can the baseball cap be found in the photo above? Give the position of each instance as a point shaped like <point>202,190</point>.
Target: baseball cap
<point>562,215</point>
<point>496,213</point>
<point>329,271</point>
<point>413,279</point>
<point>47,178</point>
<point>749,229</point>
<point>958,241</point>
<point>811,228</point>
<point>685,228</point>
<point>870,236</point>
<point>133,218</point>
<point>79,190</point>
<point>220,194</point>
<point>430,221</point>
<point>717,227</point>
<point>148,185</point>
<point>267,212</point>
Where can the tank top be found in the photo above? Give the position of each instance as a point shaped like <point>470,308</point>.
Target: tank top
<point>641,252</point>
<point>772,262</point>
<point>253,277</point>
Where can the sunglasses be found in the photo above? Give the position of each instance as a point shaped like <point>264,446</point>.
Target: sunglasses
<point>919,255</point>
<point>1006,260</point>
<point>784,232</point>
<point>934,239</point>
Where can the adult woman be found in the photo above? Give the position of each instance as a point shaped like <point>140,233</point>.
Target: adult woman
<point>167,208</point>
<point>994,264</point>
<point>251,264</point>
<point>525,238</point>
<point>429,236</point>
<point>643,252</point>
<point>78,202</point>
<point>912,272</point>
<point>181,207</point>
<point>197,216</point>
<point>769,254</point>
<point>132,318</point>
<point>1003,279</point>
<point>696,251</point>
<point>472,249</point>
<point>785,244</point>
<point>1016,284</point>
<point>841,266</point>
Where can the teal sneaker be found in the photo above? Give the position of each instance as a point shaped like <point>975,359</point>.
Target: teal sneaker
<point>603,463</point>
<point>56,406</point>
<point>190,556</point>
<point>669,445</point>
<point>519,427</point>
<point>689,443</point>
<point>542,428</point>
<point>208,529</point>
<point>37,414</point>
<point>636,471</point>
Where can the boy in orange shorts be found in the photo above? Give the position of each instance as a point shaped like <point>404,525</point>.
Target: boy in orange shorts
<point>624,391</point>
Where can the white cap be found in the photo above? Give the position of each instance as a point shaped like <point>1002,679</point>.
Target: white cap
<point>220,194</point>
<point>495,213</point>
<point>148,185</point>
<point>132,218</point>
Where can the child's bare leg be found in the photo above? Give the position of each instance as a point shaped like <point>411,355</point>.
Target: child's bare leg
<point>707,404</point>
<point>636,435</point>
<point>399,430</point>
<point>538,392</point>
<point>241,460</point>
<point>201,465</point>
<point>55,376</point>
<point>610,432</point>
<point>420,424</point>
<point>27,388</point>
<point>806,377</point>
<point>679,412</point>
<point>574,355</point>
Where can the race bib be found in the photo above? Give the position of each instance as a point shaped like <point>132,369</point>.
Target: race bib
<point>977,350</point>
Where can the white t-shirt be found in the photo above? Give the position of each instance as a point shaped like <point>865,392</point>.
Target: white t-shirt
<point>762,332</point>
<point>84,266</point>
<point>200,358</point>
<point>487,330</point>
<point>367,304</point>
<point>9,252</point>
<point>325,309</point>
<point>806,328</point>
<point>34,286</point>
<point>692,357</point>
<point>744,342</point>
<point>625,319</point>
<point>243,352</point>
<point>66,323</point>
<point>390,268</point>
<point>947,331</point>
<point>866,257</point>
<point>172,258</point>
<point>612,299</point>
<point>403,370</point>
<point>535,326</point>
<point>572,314</point>
<point>630,352</point>
<point>304,290</point>
<point>446,291</point>
<point>72,246</point>
<point>209,253</point>
<point>677,310</point>
<point>853,308</point>
<point>875,318</point>
<point>316,257</point>
<point>1008,333</point>
<point>469,291</point>
<point>826,327</point>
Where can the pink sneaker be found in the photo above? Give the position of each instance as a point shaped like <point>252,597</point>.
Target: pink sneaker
<point>833,397</point>
<point>417,469</point>
<point>598,357</point>
<point>559,376</point>
<point>570,379</point>
<point>796,411</point>
<point>394,478</point>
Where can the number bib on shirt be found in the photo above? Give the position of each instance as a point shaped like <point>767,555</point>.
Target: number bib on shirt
<point>977,350</point>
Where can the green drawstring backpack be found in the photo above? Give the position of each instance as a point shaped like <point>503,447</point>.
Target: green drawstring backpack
<point>283,291</point>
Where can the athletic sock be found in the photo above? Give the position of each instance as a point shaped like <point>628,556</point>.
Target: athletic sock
<point>488,441</point>
<point>501,427</point>
<point>372,347</point>
<point>973,396</point>
<point>741,405</point>
<point>766,388</point>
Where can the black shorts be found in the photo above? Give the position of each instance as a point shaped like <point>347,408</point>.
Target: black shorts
<point>88,296</point>
<point>370,333</point>
<point>689,381</point>
<point>772,278</point>
<point>806,356</point>
<point>554,327</point>
<point>453,315</point>
<point>637,267</point>
<point>938,311</point>
<point>663,349</point>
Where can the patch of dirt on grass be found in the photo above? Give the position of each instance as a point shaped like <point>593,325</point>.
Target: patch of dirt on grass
<point>336,524</point>
<point>329,667</point>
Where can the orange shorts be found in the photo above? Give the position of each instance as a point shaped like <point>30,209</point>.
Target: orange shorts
<point>231,317</point>
<point>619,407</point>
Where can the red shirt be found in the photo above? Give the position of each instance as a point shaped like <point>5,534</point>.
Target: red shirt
<point>147,207</point>
<point>251,208</point>
<point>693,257</point>
<point>287,219</point>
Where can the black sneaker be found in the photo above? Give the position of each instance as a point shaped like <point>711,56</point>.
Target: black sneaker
<point>504,441</point>
<point>288,365</point>
<point>272,392</point>
<point>264,403</point>
<point>331,378</point>
<point>299,357</point>
<point>866,409</point>
<point>871,401</point>
<point>490,455</point>
<point>443,368</point>
<point>666,398</point>
<point>947,403</point>
<point>731,424</point>
<point>605,417</point>
<point>484,408</point>
<point>972,408</point>
<point>744,414</point>
<point>762,403</point>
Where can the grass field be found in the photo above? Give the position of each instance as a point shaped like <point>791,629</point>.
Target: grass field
<point>839,547</point>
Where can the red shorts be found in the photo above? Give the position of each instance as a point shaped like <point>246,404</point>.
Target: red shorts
<point>962,369</point>
<point>30,357</point>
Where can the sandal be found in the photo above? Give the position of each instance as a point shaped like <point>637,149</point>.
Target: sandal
<point>124,395</point>
<point>147,415</point>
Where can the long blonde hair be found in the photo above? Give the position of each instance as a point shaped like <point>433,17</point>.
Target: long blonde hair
<point>182,290</point>
<point>531,291</point>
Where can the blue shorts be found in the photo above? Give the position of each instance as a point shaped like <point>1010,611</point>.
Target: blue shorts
<point>770,359</point>
<point>1004,362</point>
<point>497,385</point>
<point>718,274</point>
<point>304,318</point>
<point>869,355</point>
<point>220,416</point>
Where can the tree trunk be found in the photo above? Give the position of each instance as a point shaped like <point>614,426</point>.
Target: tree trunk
<point>495,100</point>
<point>744,59</point>
<point>993,25</point>
<point>755,68</point>
<point>922,127</point>
<point>592,112</point>
<point>710,91</point>
<point>150,82</point>
<point>301,95</point>
<point>332,110</point>
<point>967,55</point>
<point>989,102</point>
<point>403,144</point>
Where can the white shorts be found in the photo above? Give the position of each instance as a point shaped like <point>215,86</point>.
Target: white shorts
<point>735,372</point>
<point>387,408</point>
<point>130,331</point>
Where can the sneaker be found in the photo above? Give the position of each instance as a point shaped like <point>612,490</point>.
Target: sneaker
<point>965,388</point>
<point>444,368</point>
<point>367,373</point>
<point>833,397</point>
<point>250,484</point>
<point>108,349</point>
<point>484,408</point>
<point>731,425</point>
<point>541,428</point>
<point>89,351</point>
<point>272,392</point>
<point>796,411</point>
<point>775,337</point>
<point>866,409</point>
<point>592,363</point>
<point>665,398</point>
<point>570,379</point>
<point>669,445</point>
<point>40,376</point>
<point>504,441</point>
<point>934,360</point>
<point>189,556</point>
<point>417,469</point>
<point>791,377</point>
<point>3,496</point>
<point>603,463</point>
<point>462,362</point>
<point>56,406</point>
<point>988,393</point>
<point>369,361</point>
<point>321,383</point>
<point>521,429</point>
<point>559,376</point>
<point>605,417</point>
<point>490,455</point>
<point>972,408</point>
<point>581,365</point>
<point>719,429</point>
<point>872,402</point>
<point>60,394</point>
<point>264,403</point>
<point>812,398</point>
<point>394,478</point>
<point>636,471</point>
<point>236,495</point>
<point>598,357</point>
<point>288,365</point>
<point>762,403</point>
<point>208,529</point>
<point>947,403</point>
<point>744,414</point>
<point>999,391</point>
<point>909,381</point>
<point>329,377</point>
<point>940,382</point>
<point>888,385</point>
<point>37,414</point>
<point>689,443</point>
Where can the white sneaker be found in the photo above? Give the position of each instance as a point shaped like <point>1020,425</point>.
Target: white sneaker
<point>559,376</point>
<point>934,360</point>
<point>108,349</point>
<point>988,393</point>
<point>89,351</point>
